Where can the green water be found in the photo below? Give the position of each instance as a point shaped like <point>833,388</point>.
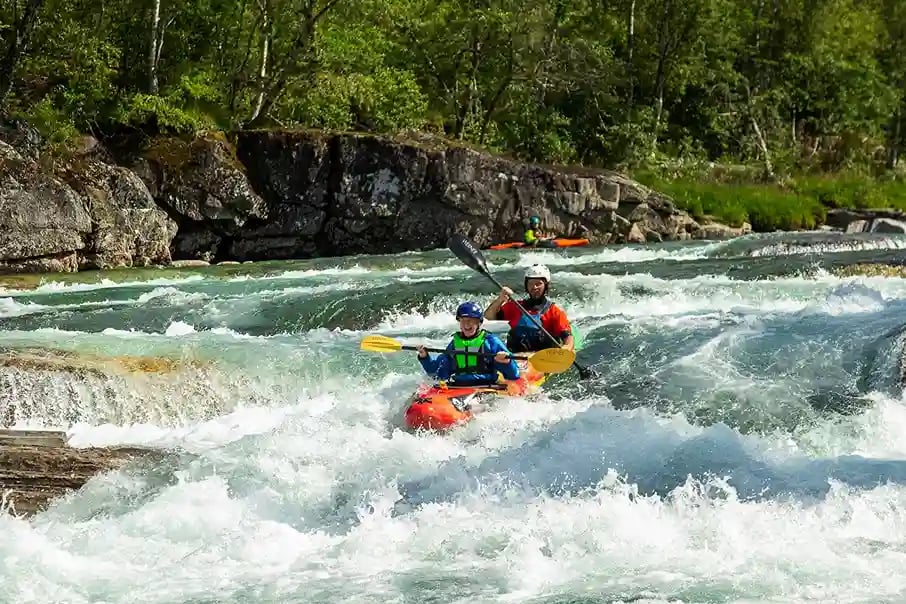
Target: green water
<point>743,443</point>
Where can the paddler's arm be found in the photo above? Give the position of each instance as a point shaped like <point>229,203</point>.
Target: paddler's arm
<point>559,327</point>
<point>569,342</point>
<point>492,312</point>
<point>434,365</point>
<point>509,368</point>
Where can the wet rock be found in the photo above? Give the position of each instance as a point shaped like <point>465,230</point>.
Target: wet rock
<point>888,225</point>
<point>872,220</point>
<point>716,230</point>
<point>37,467</point>
<point>280,195</point>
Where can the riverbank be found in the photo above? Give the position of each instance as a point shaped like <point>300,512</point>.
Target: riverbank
<point>799,202</point>
<point>276,195</point>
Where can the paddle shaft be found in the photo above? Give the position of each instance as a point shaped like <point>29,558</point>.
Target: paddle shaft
<point>486,355</point>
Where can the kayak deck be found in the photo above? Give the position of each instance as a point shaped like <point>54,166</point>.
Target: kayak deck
<point>439,407</point>
<point>558,242</point>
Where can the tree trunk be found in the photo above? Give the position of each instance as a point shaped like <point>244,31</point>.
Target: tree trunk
<point>18,44</point>
<point>492,103</point>
<point>153,48</point>
<point>295,61</point>
<point>467,106</point>
<point>768,168</point>
<point>630,43</point>
<point>664,50</point>
<point>893,150</point>
<point>265,53</point>
<point>759,137</point>
<point>793,130</point>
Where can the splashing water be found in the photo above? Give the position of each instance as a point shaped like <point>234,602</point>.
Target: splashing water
<point>744,441</point>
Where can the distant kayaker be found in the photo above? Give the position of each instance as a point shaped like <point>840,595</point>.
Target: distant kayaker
<point>524,335</point>
<point>471,370</point>
<point>533,234</point>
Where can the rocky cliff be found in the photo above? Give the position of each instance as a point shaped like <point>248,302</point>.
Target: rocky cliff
<point>351,193</point>
<point>274,195</point>
<point>86,214</point>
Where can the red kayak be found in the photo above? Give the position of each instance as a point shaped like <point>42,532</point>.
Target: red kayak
<point>544,243</point>
<point>437,407</point>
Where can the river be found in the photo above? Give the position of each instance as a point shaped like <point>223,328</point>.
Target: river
<point>744,441</point>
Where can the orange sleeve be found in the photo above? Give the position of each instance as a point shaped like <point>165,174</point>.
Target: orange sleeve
<point>556,323</point>
<point>508,311</point>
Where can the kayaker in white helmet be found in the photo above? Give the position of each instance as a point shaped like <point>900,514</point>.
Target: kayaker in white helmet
<point>524,335</point>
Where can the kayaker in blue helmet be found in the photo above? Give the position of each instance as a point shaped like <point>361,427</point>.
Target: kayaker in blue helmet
<point>471,369</point>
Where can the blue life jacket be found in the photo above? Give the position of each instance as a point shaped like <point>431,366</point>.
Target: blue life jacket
<point>525,336</point>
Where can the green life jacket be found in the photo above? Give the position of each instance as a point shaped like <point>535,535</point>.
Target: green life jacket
<point>530,236</point>
<point>471,363</point>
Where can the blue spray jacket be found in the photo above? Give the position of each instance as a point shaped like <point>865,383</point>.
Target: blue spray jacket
<point>471,370</point>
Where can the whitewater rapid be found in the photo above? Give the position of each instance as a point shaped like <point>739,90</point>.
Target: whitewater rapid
<point>744,443</point>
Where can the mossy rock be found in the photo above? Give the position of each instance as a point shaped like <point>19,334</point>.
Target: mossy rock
<point>170,152</point>
<point>20,281</point>
<point>175,153</point>
<point>870,270</point>
<point>428,141</point>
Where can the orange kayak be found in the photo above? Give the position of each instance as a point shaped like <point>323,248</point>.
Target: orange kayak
<point>438,407</point>
<point>544,243</point>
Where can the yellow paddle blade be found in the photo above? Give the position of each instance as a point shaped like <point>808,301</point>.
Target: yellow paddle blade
<point>552,360</point>
<point>380,344</point>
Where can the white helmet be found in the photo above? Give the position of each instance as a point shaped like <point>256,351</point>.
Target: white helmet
<point>538,271</point>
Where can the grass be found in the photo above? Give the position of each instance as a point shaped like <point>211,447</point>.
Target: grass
<point>800,202</point>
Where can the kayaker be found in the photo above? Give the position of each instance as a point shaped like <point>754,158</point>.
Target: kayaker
<point>524,335</point>
<point>471,370</point>
<point>533,234</point>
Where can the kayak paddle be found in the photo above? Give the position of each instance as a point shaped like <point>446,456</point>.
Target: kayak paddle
<point>466,250</point>
<point>550,360</point>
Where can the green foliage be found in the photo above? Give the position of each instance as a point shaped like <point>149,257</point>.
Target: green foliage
<point>181,110</point>
<point>802,87</point>
<point>160,113</point>
<point>386,100</point>
<point>57,128</point>
<point>852,191</point>
<point>75,74</point>
<point>765,207</point>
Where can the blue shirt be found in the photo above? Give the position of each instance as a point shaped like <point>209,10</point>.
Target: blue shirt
<point>442,366</point>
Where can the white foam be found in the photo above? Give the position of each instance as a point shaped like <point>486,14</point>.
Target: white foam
<point>285,476</point>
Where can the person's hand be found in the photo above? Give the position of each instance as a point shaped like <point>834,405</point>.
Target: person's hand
<point>422,352</point>
<point>502,357</point>
<point>505,294</point>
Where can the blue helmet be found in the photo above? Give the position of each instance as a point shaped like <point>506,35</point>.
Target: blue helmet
<point>469,309</point>
<point>534,220</point>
